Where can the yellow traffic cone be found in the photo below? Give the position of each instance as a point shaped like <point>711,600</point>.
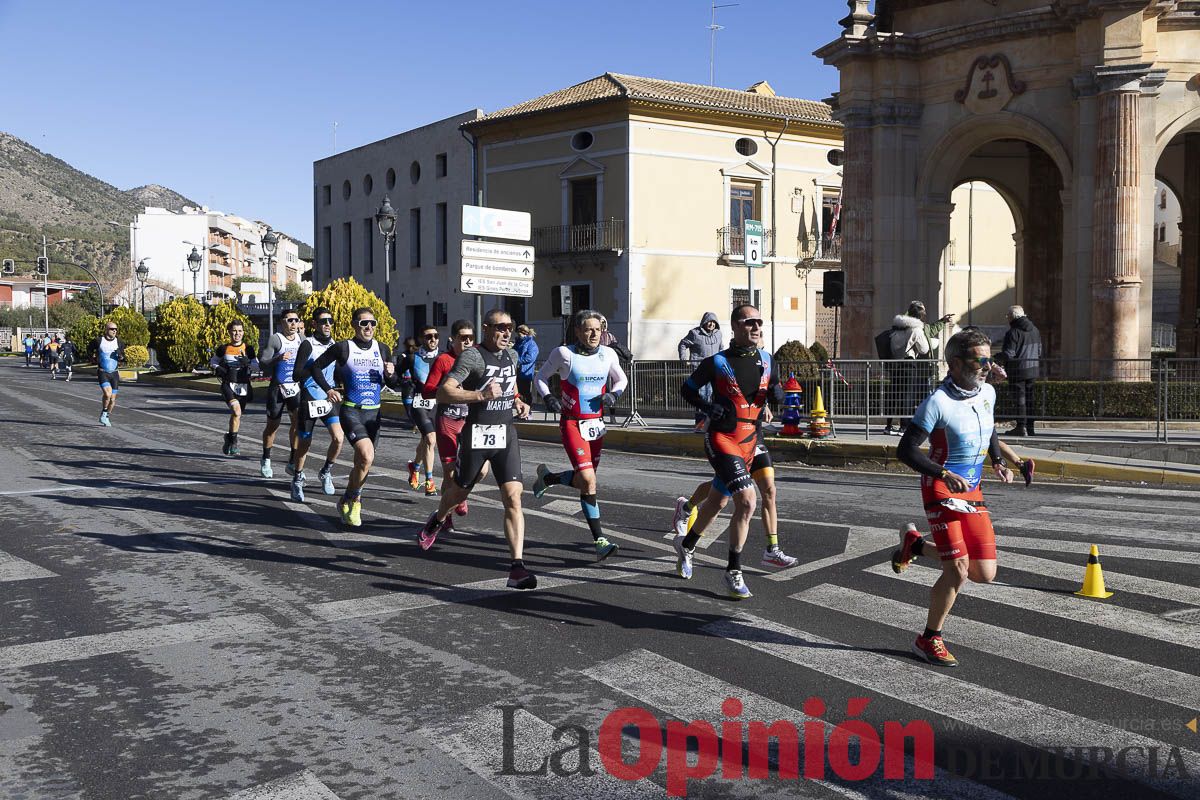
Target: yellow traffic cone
<point>1093,578</point>
<point>818,408</point>
<point>818,425</point>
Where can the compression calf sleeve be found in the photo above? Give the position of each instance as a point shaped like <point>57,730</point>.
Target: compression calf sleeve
<point>591,512</point>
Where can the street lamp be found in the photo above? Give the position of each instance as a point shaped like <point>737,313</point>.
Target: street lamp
<point>143,272</point>
<point>194,258</point>
<point>270,241</point>
<point>385,218</point>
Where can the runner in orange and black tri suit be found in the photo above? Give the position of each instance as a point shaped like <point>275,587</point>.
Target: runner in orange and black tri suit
<point>233,363</point>
<point>742,377</point>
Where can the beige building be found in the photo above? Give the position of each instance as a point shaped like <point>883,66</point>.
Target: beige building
<point>637,189</point>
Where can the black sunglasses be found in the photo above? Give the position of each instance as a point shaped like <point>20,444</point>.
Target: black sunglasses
<point>500,326</point>
<point>324,321</point>
<point>431,336</point>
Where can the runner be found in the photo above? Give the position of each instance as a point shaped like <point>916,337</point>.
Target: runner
<point>687,510</point>
<point>279,358</point>
<point>421,411</point>
<point>315,405</point>
<point>958,419</point>
<point>591,382</point>
<point>485,379</point>
<point>450,416</point>
<point>109,353</point>
<point>363,366</point>
<point>54,357</point>
<point>742,376</point>
<point>29,342</point>
<point>234,363</point>
<point>69,354</point>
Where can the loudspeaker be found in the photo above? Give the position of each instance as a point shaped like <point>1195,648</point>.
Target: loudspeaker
<point>833,290</point>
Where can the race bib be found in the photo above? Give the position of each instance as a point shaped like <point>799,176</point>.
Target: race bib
<point>239,389</point>
<point>289,389</point>
<point>423,404</point>
<point>319,408</point>
<point>591,429</point>
<point>489,437</point>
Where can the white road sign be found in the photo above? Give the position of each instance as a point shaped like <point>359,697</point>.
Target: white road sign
<point>753,231</point>
<point>497,251</point>
<point>497,269</point>
<point>497,222</point>
<point>514,287</point>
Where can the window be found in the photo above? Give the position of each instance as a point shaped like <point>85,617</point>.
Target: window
<point>581,297</point>
<point>414,237</point>
<point>417,319</point>
<point>326,194</point>
<point>414,172</point>
<point>368,243</point>
<point>347,253</point>
<point>745,146</point>
<point>345,190</point>
<point>742,204</point>
<point>390,178</point>
<point>740,297</point>
<point>582,141</point>
<point>439,234</point>
<point>439,314</point>
<point>515,308</point>
<point>583,201</point>
<point>325,262</point>
<point>1162,199</point>
<point>439,170</point>
<point>1162,232</point>
<point>368,184</point>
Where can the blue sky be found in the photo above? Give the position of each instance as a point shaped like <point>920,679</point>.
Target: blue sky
<point>230,102</point>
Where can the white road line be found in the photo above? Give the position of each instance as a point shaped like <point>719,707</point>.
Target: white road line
<point>476,741</point>
<point>1192,494</point>
<point>688,694</point>
<point>1107,515</point>
<point>126,484</point>
<point>860,541</point>
<point>18,569</point>
<point>1135,677</point>
<point>1115,581</point>
<point>565,507</point>
<point>1095,529</point>
<point>81,647</point>
<point>301,785</point>
<point>1077,609</point>
<point>1109,550</point>
<point>1033,724</point>
<point>1124,505</point>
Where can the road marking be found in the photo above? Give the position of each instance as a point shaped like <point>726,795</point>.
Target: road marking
<point>302,785</point>
<point>689,694</point>
<point>81,647</point>
<point>860,541</point>
<point>1094,529</point>
<point>565,507</point>
<point>1146,680</point>
<point>18,569</point>
<point>1191,494</point>
<point>995,713</point>
<point>1109,550</point>
<point>1115,581</point>
<point>1123,504</point>
<point>476,741</point>
<point>1107,515</point>
<point>1076,609</point>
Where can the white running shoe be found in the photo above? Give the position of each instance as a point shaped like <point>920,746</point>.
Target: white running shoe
<point>736,585</point>
<point>264,468</point>
<point>679,522</point>
<point>683,564</point>
<point>326,481</point>
<point>775,557</point>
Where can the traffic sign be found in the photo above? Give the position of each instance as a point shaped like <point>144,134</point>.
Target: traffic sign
<point>498,222</point>
<point>497,269</point>
<point>497,251</point>
<point>513,287</point>
<point>753,236</point>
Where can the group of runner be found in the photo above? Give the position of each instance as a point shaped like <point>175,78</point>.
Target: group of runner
<point>53,353</point>
<point>465,402</point>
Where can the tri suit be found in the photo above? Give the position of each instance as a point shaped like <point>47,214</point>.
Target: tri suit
<point>584,377</point>
<point>450,417</point>
<point>279,356</point>
<point>109,354</point>
<point>360,370</point>
<point>417,366</point>
<point>314,402</point>
<point>234,364</point>
<point>489,435</point>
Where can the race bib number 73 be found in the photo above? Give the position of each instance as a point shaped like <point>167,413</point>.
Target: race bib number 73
<point>489,437</point>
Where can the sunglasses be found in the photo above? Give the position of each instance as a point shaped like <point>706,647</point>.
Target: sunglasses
<point>752,322</point>
<point>291,319</point>
<point>503,327</point>
<point>110,330</point>
<point>366,323</point>
<point>431,336</point>
<point>979,363</point>
<point>325,321</point>
<point>466,337</point>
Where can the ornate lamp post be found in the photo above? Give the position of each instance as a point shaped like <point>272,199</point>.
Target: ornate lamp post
<point>194,258</point>
<point>270,241</point>
<point>143,272</point>
<point>385,218</point>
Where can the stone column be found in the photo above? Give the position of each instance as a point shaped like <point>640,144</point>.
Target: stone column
<point>1041,291</point>
<point>858,254</point>
<point>1116,279</point>
<point>1187,333</point>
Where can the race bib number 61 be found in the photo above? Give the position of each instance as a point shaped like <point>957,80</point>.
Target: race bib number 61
<point>591,429</point>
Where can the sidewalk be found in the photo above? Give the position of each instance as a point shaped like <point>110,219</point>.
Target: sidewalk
<point>1061,452</point>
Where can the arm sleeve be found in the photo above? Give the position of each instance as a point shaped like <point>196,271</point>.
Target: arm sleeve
<point>617,380</point>
<point>317,372</point>
<point>468,363</point>
<point>910,453</point>
<point>217,362</point>
<point>994,453</point>
<point>300,371</point>
<point>394,381</point>
<point>559,363</point>
<point>270,353</point>
<point>704,373</point>
<point>252,358</point>
<point>439,370</point>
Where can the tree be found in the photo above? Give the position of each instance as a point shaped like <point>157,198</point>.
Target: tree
<point>132,327</point>
<point>177,334</point>
<point>84,331</point>
<point>343,296</point>
<point>294,293</point>
<point>216,327</point>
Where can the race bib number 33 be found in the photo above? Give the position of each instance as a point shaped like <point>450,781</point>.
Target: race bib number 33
<point>289,389</point>
<point>423,404</point>
<point>489,437</point>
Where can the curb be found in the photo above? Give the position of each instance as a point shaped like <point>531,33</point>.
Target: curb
<point>813,452</point>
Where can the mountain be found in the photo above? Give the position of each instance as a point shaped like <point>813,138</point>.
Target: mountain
<point>159,197</point>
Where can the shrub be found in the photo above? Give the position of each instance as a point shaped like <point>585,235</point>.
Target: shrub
<point>342,297</point>
<point>132,327</point>
<point>819,352</point>
<point>83,332</point>
<point>177,334</point>
<point>794,357</point>
<point>216,327</point>
<point>136,356</point>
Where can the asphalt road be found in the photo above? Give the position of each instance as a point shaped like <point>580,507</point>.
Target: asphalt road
<point>173,626</point>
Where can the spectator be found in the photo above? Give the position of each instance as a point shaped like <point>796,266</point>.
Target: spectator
<point>527,355</point>
<point>913,340</point>
<point>1021,354</point>
<point>701,342</point>
<point>608,339</point>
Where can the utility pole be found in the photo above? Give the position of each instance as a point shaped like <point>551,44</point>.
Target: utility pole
<point>46,283</point>
<point>713,27</point>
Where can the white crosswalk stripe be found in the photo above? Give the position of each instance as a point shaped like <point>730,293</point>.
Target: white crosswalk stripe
<point>1094,529</point>
<point>1033,724</point>
<point>1146,680</point>
<point>1108,550</point>
<point>18,569</point>
<point>1125,515</point>
<point>1116,581</point>
<point>1078,609</point>
<point>302,785</point>
<point>688,694</point>
<point>1191,494</point>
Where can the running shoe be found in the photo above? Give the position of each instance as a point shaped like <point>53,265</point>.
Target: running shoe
<point>1027,468</point>
<point>351,513</point>
<point>290,468</point>
<point>683,565</point>
<point>903,555</point>
<point>104,419</point>
<point>933,651</point>
<point>225,447</point>
<point>414,479</point>
<point>539,485</point>
<point>264,468</point>
<point>234,450</point>
<point>775,557</point>
<point>298,487</point>
<point>679,522</point>
<point>431,489</point>
<point>326,481</point>
<point>736,585</point>
<point>431,529</point>
<point>521,578</point>
<point>605,548</point>
<point>461,509</point>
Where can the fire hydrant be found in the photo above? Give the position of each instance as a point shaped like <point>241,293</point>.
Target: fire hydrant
<point>793,407</point>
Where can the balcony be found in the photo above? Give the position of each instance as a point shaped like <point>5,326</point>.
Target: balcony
<point>596,237</point>
<point>827,249</point>
<point>217,268</point>
<point>219,247</point>
<point>731,244</point>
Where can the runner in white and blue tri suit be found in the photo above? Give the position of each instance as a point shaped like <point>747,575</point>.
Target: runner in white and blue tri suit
<point>109,353</point>
<point>362,366</point>
<point>590,381</point>
<point>415,367</point>
<point>278,358</point>
<point>315,405</point>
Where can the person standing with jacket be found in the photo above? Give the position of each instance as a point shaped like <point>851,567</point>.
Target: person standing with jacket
<point>701,342</point>
<point>527,356</point>
<point>1021,353</point>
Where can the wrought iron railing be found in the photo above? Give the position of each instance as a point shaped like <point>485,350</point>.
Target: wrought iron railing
<point>826,248</point>
<point>731,242</point>
<point>593,237</point>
